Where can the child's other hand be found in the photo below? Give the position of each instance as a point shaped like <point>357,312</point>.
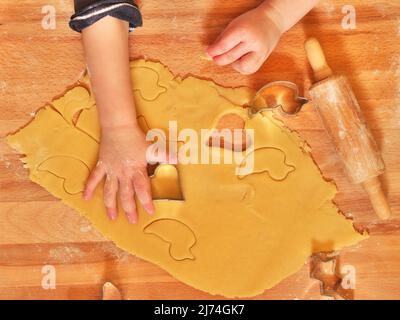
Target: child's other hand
<point>122,160</point>
<point>248,40</point>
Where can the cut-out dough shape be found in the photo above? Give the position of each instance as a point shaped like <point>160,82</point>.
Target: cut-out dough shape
<point>230,122</point>
<point>270,160</point>
<point>147,85</point>
<point>76,99</point>
<point>60,166</point>
<point>180,238</point>
<point>250,233</point>
<point>165,184</point>
<point>86,124</point>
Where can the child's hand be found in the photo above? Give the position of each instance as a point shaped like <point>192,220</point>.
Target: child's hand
<point>248,40</point>
<point>122,160</point>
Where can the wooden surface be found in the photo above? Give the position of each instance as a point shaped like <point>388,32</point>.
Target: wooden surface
<point>36,65</point>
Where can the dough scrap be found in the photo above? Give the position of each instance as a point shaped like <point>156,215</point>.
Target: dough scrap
<point>229,236</point>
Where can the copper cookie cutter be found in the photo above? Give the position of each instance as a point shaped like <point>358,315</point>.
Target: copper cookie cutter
<point>282,95</point>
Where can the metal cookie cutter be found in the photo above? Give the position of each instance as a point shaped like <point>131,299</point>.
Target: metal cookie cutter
<point>278,94</point>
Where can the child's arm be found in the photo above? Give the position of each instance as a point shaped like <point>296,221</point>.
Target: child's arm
<point>249,39</point>
<point>122,154</point>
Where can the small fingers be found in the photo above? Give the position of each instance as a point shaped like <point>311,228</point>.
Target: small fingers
<point>126,196</point>
<point>232,55</point>
<point>248,64</point>
<point>229,39</point>
<point>141,183</point>
<point>110,196</point>
<point>92,182</point>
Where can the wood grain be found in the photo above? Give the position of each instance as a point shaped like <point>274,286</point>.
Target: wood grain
<point>36,65</point>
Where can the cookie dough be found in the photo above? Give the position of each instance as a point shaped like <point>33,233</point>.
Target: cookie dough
<point>221,233</point>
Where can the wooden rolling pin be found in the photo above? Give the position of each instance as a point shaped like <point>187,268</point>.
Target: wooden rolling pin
<point>342,117</point>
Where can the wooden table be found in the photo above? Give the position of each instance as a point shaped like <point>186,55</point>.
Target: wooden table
<point>37,64</point>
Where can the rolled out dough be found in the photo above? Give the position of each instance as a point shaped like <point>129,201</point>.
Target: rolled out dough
<point>234,236</point>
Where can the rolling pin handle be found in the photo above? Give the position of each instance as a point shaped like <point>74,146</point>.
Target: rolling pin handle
<point>378,200</point>
<point>317,59</point>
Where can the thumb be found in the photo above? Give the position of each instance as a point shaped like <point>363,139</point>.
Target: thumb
<point>225,42</point>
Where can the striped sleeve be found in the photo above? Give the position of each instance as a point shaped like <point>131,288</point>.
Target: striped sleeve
<point>88,12</point>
